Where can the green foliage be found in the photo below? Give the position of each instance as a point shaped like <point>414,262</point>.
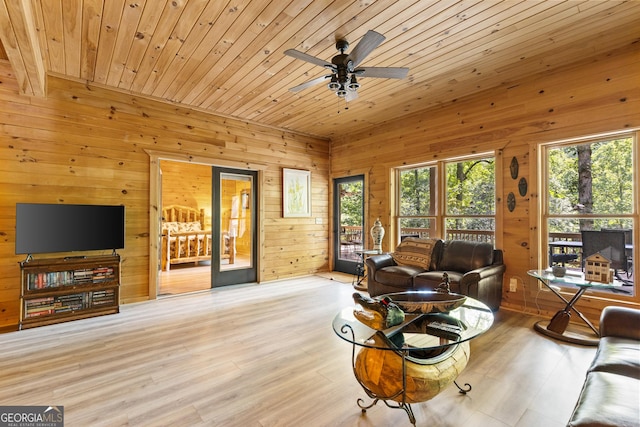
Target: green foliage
<point>415,192</point>
<point>471,187</point>
<point>470,193</point>
<point>351,203</point>
<point>612,177</point>
<point>563,179</point>
<point>611,166</point>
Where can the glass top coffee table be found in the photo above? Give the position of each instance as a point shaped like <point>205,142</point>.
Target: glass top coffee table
<point>557,327</point>
<point>415,360</point>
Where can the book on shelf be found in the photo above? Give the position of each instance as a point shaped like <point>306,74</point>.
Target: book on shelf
<point>49,280</point>
<point>40,306</point>
<point>39,313</point>
<point>103,297</point>
<point>39,301</point>
<point>83,275</point>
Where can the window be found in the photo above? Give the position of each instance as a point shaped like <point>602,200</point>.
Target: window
<point>589,185</point>
<point>471,201</point>
<point>417,202</point>
<point>448,199</point>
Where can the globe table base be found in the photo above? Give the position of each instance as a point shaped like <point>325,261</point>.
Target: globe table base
<point>393,376</point>
<point>415,360</point>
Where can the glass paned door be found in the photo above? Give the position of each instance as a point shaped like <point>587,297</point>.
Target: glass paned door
<point>234,201</point>
<point>348,233</point>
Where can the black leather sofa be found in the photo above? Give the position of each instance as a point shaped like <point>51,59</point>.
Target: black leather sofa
<point>475,269</point>
<point>610,395</point>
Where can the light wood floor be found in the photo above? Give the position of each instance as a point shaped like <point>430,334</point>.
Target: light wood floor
<point>266,355</point>
<point>185,278</point>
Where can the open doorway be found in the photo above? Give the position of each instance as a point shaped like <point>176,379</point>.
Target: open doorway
<point>208,227</point>
<point>186,228</point>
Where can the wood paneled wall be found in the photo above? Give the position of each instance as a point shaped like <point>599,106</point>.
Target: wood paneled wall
<point>86,144</point>
<point>599,95</point>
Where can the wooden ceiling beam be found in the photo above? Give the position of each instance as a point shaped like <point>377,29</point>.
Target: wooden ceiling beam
<point>20,40</point>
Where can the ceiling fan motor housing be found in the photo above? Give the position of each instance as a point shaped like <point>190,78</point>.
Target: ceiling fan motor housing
<point>344,66</point>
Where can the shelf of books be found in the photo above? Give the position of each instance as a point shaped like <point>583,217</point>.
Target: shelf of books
<point>63,289</point>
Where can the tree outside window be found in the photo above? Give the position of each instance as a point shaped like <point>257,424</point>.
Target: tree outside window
<point>589,186</point>
<point>416,202</point>
<point>470,208</point>
<point>468,192</point>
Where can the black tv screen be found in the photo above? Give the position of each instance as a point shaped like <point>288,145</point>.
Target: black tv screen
<point>48,228</point>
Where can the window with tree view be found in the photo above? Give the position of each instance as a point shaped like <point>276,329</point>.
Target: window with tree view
<point>590,187</point>
<point>460,205</point>
<point>471,200</point>
<point>416,202</point>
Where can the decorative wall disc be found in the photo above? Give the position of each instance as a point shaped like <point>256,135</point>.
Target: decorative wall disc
<point>522,186</point>
<point>511,202</point>
<point>514,167</point>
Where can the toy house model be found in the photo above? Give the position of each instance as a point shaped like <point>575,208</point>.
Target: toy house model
<point>598,269</point>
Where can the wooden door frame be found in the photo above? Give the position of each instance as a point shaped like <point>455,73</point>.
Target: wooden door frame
<point>155,203</point>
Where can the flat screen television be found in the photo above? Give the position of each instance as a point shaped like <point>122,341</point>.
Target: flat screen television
<point>49,228</point>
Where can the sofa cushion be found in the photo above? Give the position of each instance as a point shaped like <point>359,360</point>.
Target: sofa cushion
<point>397,276</point>
<point>464,256</point>
<point>415,252</point>
<point>618,356</point>
<point>607,400</point>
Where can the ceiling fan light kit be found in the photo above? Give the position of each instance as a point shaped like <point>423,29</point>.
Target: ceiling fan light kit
<point>333,84</point>
<point>344,67</point>
<point>353,84</point>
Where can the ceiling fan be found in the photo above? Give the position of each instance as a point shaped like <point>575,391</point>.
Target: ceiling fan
<point>344,67</point>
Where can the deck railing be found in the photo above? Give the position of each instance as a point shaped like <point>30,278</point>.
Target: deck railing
<point>354,234</point>
<point>554,237</point>
<point>471,235</point>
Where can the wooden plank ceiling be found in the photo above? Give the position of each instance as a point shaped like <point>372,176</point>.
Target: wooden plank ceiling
<point>226,56</point>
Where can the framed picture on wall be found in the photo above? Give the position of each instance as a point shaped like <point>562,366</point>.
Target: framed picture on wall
<point>296,193</point>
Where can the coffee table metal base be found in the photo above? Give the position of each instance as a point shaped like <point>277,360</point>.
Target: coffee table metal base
<point>416,360</point>
<point>393,404</point>
<point>389,376</point>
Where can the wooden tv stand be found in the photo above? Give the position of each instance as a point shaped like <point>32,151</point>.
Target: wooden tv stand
<point>58,290</point>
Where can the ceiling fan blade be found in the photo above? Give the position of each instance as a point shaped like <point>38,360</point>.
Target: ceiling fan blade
<point>312,59</point>
<point>309,83</point>
<point>383,72</point>
<point>370,41</point>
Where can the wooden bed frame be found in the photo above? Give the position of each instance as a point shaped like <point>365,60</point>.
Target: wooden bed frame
<point>185,238</point>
